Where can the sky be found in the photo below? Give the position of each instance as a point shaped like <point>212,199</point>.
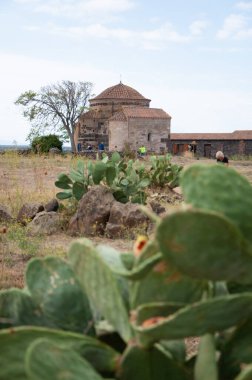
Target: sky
<point>193,58</point>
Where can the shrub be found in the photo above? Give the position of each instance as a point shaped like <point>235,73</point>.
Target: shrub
<point>42,144</point>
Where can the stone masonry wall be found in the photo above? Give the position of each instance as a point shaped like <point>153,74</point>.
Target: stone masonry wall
<point>118,135</point>
<point>152,133</point>
<point>228,147</point>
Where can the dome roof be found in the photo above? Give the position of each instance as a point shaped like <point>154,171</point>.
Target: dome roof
<point>120,91</point>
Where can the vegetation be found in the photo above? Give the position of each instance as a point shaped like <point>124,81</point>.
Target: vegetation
<point>42,144</point>
<point>56,107</point>
<point>126,178</point>
<point>163,172</point>
<point>143,303</point>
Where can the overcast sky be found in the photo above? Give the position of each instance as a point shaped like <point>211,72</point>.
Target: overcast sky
<point>192,58</point>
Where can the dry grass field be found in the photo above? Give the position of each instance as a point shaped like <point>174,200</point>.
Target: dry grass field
<point>31,179</point>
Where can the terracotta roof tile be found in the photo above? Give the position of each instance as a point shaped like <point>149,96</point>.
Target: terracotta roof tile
<point>90,115</point>
<point>243,135</point>
<point>120,91</point>
<point>119,116</point>
<point>145,112</point>
<point>236,135</point>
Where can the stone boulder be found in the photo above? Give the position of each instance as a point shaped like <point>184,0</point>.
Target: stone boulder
<point>93,212</point>
<point>28,211</point>
<point>54,150</point>
<point>53,205</point>
<point>157,207</point>
<point>45,223</point>
<point>5,215</point>
<point>126,220</point>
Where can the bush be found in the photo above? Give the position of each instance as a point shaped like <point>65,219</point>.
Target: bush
<point>42,144</point>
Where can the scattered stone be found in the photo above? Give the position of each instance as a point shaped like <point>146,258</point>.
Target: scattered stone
<point>126,220</point>
<point>157,207</point>
<point>28,211</point>
<point>53,205</point>
<point>5,215</point>
<point>177,190</point>
<point>54,151</point>
<point>93,212</point>
<point>45,223</point>
<point>24,152</point>
<point>3,230</point>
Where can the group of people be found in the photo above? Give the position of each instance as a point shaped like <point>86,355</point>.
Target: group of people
<point>220,157</point>
<point>101,147</point>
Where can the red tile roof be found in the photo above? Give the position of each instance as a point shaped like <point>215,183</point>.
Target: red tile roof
<point>145,112</point>
<point>120,91</point>
<point>118,116</point>
<point>90,114</point>
<point>236,135</point>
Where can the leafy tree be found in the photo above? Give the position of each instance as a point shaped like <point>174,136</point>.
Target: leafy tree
<point>56,107</point>
<point>44,143</point>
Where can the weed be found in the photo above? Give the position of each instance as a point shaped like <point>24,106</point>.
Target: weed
<point>26,245</point>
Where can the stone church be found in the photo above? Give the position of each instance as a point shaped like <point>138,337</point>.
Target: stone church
<point>121,115</point>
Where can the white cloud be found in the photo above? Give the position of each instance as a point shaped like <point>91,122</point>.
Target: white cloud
<point>165,33</point>
<point>198,27</point>
<point>244,6</point>
<point>78,8</point>
<point>26,1</point>
<point>156,38</point>
<point>233,24</point>
<point>244,34</point>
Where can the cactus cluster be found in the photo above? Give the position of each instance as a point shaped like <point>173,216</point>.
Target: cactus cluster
<point>126,178</point>
<point>163,172</point>
<point>105,315</point>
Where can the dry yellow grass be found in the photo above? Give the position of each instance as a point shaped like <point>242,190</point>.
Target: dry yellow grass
<point>30,179</point>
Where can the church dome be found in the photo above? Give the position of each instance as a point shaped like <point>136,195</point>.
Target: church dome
<point>120,91</point>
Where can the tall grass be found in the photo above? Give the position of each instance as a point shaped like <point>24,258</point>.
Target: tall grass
<point>30,178</point>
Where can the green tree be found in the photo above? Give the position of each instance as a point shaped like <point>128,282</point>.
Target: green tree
<point>56,107</point>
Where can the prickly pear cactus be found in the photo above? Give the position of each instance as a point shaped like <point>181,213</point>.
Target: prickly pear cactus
<point>173,287</point>
<point>47,360</point>
<point>97,278</point>
<point>15,342</point>
<point>153,364</point>
<point>55,290</point>
<point>53,298</point>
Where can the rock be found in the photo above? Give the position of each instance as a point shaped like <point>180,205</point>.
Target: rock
<point>45,223</point>
<point>54,151</point>
<point>28,211</point>
<point>157,207</point>
<point>5,215</point>
<point>53,205</point>
<point>177,190</point>
<point>126,220</point>
<point>93,212</point>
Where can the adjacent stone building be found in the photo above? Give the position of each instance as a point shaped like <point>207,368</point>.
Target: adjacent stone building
<point>207,144</point>
<point>121,115</point>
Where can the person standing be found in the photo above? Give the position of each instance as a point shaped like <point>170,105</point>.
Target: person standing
<point>101,147</point>
<point>142,150</point>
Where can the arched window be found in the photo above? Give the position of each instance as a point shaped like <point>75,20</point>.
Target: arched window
<point>149,137</point>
